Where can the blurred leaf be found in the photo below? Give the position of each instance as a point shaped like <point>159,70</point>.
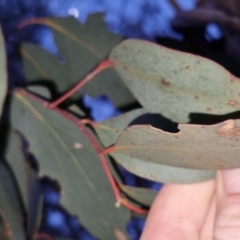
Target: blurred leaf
<point>109,130</point>
<point>82,48</point>
<point>74,108</point>
<point>144,196</point>
<point>28,181</point>
<point>195,146</point>
<point>67,155</point>
<point>3,71</point>
<point>10,206</point>
<point>162,173</point>
<point>174,83</point>
<point>40,91</point>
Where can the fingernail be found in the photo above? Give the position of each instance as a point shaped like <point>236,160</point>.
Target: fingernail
<point>231,180</point>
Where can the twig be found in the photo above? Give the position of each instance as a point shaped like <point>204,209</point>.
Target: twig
<point>204,16</point>
<point>102,66</point>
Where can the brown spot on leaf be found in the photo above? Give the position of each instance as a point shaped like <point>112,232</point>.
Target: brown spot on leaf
<point>209,109</point>
<point>239,94</point>
<point>125,48</point>
<point>187,68</point>
<point>232,102</point>
<point>196,97</point>
<point>221,166</point>
<point>198,62</point>
<point>228,130</point>
<point>163,81</point>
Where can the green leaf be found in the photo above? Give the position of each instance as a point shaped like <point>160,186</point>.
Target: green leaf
<point>66,154</point>
<point>194,146</point>
<point>28,181</point>
<point>162,173</point>
<point>40,91</point>
<point>10,205</point>
<point>109,130</point>
<point>143,196</point>
<point>74,108</point>
<point>82,47</point>
<point>173,83</point>
<point>3,72</point>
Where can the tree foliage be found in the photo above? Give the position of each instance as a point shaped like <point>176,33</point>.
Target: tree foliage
<point>173,88</point>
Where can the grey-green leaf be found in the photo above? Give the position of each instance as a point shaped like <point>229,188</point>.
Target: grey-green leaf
<point>28,181</point>
<point>109,130</point>
<point>10,204</point>
<point>82,48</point>
<point>194,146</point>
<point>174,83</point>
<point>143,196</point>
<point>66,154</point>
<point>162,173</point>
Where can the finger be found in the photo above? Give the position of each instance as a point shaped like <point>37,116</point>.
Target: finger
<point>178,211</point>
<point>227,224</point>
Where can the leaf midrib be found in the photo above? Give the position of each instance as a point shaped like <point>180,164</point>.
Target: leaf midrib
<point>173,86</point>
<point>58,138</point>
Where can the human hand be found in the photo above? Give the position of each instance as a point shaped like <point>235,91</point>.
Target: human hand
<point>202,211</point>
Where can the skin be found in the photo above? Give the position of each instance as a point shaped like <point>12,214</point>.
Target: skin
<point>202,211</point>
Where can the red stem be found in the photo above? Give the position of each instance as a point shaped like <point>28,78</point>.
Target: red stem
<point>131,207</point>
<point>108,150</point>
<point>118,197</point>
<point>102,66</point>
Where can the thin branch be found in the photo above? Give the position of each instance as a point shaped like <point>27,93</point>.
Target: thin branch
<point>204,16</point>
<point>133,208</point>
<point>102,66</point>
<point>108,150</point>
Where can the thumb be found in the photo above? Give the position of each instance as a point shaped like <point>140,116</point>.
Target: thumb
<point>227,223</point>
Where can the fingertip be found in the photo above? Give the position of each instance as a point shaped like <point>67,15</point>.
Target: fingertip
<point>231,180</point>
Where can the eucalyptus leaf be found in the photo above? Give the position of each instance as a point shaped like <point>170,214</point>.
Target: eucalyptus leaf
<point>10,205</point>
<point>163,173</point>
<point>174,83</point>
<point>28,181</point>
<point>82,48</point>
<point>66,154</point>
<point>3,71</point>
<point>40,91</point>
<point>194,146</point>
<point>109,130</point>
<point>74,108</point>
<point>143,196</point>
